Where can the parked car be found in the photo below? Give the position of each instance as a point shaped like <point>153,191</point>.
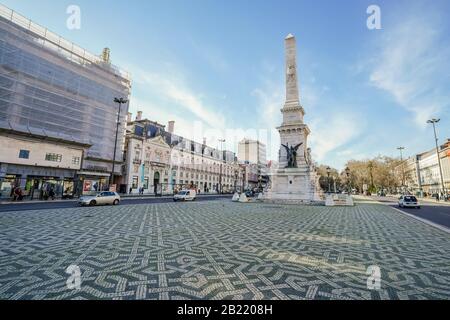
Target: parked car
<point>408,201</point>
<point>185,195</point>
<point>101,198</point>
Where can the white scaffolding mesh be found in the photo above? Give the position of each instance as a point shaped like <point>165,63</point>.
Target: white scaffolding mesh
<point>51,87</point>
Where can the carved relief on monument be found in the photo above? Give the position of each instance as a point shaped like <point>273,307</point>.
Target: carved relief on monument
<point>291,74</point>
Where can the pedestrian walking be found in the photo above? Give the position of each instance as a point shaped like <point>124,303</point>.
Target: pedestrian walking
<point>13,193</point>
<point>51,194</point>
<point>131,190</point>
<point>19,194</point>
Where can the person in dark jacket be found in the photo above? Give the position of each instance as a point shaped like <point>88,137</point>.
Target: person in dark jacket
<point>51,194</point>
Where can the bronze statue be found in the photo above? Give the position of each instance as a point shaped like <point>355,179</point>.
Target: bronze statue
<point>291,153</point>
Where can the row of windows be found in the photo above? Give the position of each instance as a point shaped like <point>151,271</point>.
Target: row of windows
<point>53,157</point>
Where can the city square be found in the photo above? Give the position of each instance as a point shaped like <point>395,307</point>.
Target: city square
<point>224,151</point>
<point>222,250</point>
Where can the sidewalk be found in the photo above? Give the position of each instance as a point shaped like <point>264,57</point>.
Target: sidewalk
<point>431,200</point>
<point>122,196</point>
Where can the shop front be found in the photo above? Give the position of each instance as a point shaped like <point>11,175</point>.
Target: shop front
<point>90,183</point>
<point>35,182</point>
<point>45,187</point>
<point>7,185</point>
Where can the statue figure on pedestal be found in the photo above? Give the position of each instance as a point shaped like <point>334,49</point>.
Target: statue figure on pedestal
<point>291,153</point>
<point>308,157</point>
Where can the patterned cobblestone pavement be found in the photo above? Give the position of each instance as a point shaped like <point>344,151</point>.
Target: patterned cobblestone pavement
<point>221,250</point>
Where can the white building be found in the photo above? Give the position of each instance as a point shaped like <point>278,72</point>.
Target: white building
<point>252,157</point>
<point>161,162</point>
<point>57,94</point>
<point>422,171</point>
<point>252,151</point>
<point>45,162</point>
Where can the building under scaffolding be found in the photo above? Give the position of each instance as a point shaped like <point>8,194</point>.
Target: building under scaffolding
<point>53,90</point>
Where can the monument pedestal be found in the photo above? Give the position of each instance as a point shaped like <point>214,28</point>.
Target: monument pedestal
<point>293,185</point>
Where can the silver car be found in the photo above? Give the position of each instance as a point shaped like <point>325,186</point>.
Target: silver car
<point>102,198</point>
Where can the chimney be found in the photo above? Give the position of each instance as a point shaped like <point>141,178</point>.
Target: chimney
<point>171,126</point>
<point>106,55</point>
<point>139,115</point>
<point>129,117</point>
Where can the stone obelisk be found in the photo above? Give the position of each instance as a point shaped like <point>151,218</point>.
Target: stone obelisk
<point>295,180</point>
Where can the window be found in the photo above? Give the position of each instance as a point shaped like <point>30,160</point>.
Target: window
<point>139,131</point>
<point>134,185</point>
<point>24,154</point>
<point>76,160</point>
<point>53,157</point>
<point>145,183</point>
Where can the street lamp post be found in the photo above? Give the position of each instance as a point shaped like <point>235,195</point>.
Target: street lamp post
<point>221,161</point>
<point>119,101</point>
<point>433,122</point>
<point>328,179</point>
<point>403,167</point>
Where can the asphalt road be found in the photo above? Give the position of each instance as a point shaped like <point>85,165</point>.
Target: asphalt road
<point>437,213</point>
<point>73,203</point>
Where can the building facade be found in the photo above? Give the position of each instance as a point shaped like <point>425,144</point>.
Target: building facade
<point>53,90</point>
<point>252,151</point>
<point>422,174</point>
<point>162,162</point>
<point>252,157</point>
<point>45,165</point>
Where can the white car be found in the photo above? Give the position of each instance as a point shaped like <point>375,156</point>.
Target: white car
<point>102,198</point>
<point>185,195</point>
<point>408,202</point>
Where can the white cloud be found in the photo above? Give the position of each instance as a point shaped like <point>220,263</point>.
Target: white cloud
<point>332,133</point>
<point>172,88</point>
<point>412,65</point>
<point>269,102</point>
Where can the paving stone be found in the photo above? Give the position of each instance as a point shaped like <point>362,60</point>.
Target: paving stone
<point>221,250</point>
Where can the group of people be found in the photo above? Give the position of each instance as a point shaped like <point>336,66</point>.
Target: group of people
<point>441,196</point>
<point>17,194</point>
<point>141,190</point>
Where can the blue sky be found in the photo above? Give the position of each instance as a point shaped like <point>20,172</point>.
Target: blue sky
<point>365,92</point>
